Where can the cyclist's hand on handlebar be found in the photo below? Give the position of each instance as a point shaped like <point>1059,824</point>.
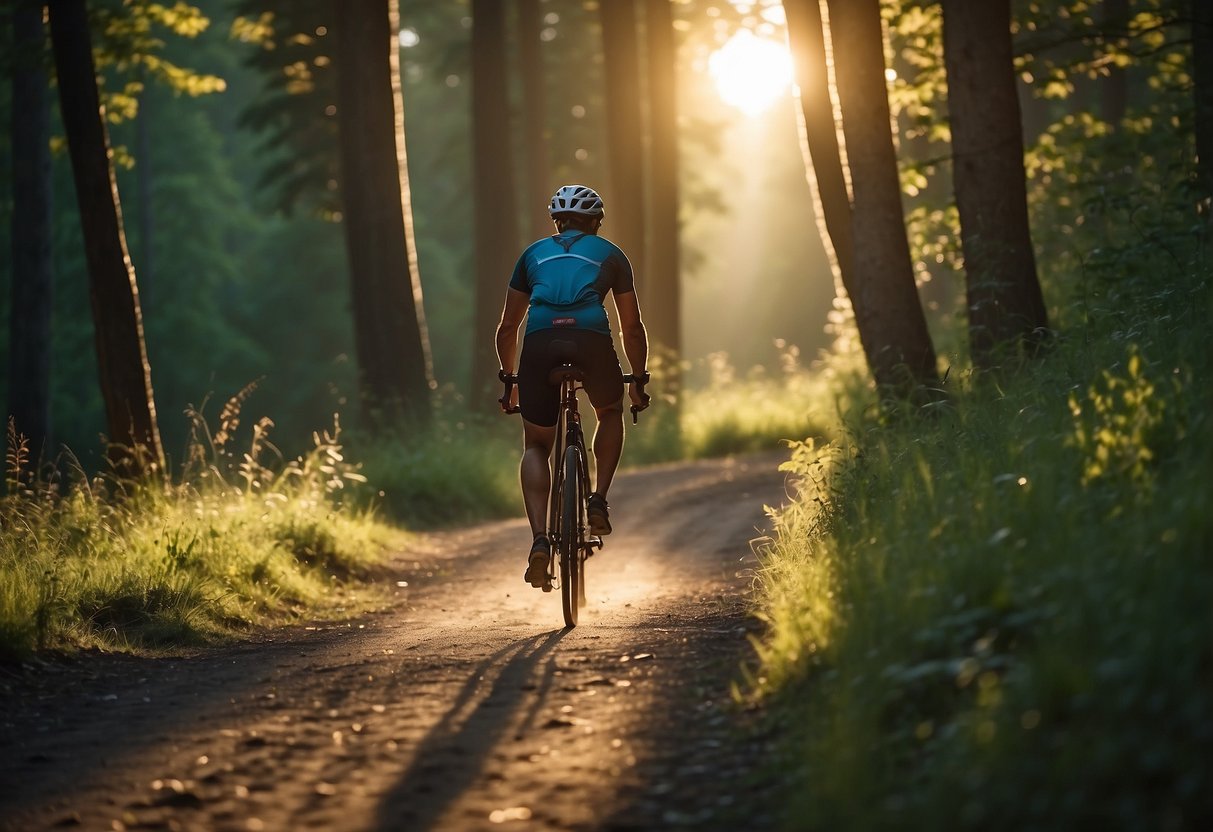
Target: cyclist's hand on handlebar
<point>640,399</point>
<point>509,402</point>
<point>509,399</point>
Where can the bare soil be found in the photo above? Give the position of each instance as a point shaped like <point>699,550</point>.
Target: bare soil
<point>465,705</point>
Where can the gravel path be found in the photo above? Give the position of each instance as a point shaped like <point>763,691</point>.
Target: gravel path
<point>466,705</point>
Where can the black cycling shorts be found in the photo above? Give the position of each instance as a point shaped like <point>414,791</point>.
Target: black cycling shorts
<point>547,349</point>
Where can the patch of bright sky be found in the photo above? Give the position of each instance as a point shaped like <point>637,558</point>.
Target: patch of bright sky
<point>751,73</point>
<point>409,37</point>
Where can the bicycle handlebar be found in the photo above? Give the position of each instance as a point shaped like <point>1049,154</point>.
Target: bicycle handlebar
<point>510,379</point>
<point>640,383</point>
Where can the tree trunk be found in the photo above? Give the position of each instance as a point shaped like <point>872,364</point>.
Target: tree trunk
<point>32,278</point>
<point>540,187</point>
<point>143,177</point>
<point>389,329</point>
<point>1114,90</point>
<point>495,196</point>
<point>1003,294</point>
<point>662,272</point>
<point>1202,65</point>
<point>888,313</point>
<point>126,376</point>
<point>625,159</point>
<point>819,137</point>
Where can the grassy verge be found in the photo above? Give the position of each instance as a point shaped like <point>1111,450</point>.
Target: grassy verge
<point>235,542</point>
<point>461,468</point>
<point>464,466</point>
<point>137,565</point>
<point>998,617</point>
<point>742,412</point>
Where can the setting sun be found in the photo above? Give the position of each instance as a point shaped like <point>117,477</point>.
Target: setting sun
<point>750,72</point>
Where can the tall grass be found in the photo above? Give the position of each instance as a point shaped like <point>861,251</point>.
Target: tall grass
<point>463,465</point>
<point>998,616</point>
<point>762,408</point>
<point>136,564</point>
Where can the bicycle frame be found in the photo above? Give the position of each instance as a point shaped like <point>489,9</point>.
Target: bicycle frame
<point>569,434</point>
<point>567,524</point>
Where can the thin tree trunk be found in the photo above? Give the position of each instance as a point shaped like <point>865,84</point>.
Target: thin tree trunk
<point>32,278</point>
<point>625,200</point>
<point>143,177</point>
<point>888,313</point>
<point>495,197</point>
<point>1114,90</point>
<point>126,375</point>
<point>1002,291</point>
<point>662,271</point>
<point>388,313</point>
<point>534,116</point>
<point>819,137</point>
<point>1202,64</point>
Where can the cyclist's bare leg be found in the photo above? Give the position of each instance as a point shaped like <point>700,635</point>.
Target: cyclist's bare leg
<point>608,445</point>
<point>536,473</point>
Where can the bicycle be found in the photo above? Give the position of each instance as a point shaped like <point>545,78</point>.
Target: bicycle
<point>568,531</point>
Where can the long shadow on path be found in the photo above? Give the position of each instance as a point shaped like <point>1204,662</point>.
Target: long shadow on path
<point>451,756</point>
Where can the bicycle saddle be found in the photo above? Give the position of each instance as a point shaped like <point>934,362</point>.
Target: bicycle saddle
<point>565,371</point>
<point>566,353</point>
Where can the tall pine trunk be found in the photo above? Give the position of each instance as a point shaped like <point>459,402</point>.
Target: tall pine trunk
<point>1005,304</point>
<point>389,332</point>
<point>888,313</point>
<point>662,267</point>
<point>1202,77</point>
<point>125,374</point>
<point>143,191</point>
<point>819,137</point>
<point>540,187</point>
<point>493,174</point>
<point>1114,90</point>
<point>32,279</point>
<point>625,159</point>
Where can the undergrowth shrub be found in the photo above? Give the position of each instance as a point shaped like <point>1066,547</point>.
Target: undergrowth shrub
<point>461,467</point>
<point>997,616</point>
<point>240,538</point>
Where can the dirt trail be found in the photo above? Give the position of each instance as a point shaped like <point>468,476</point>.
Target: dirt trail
<point>466,706</point>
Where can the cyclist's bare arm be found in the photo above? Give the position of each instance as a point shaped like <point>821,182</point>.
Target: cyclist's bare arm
<point>507,334</point>
<point>635,339</point>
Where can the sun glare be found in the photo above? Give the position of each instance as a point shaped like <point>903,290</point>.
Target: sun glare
<point>751,73</point>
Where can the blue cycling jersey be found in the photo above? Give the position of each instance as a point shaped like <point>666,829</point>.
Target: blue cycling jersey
<point>568,276</point>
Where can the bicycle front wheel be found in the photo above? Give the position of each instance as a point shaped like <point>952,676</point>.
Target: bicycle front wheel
<point>572,530</point>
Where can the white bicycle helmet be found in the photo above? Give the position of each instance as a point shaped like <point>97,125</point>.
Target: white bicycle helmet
<point>576,199</point>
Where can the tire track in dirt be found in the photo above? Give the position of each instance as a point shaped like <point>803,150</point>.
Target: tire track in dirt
<point>464,706</point>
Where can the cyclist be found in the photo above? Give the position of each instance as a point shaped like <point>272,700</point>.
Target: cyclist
<point>560,284</point>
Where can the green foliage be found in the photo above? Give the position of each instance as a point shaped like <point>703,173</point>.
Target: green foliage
<point>734,414</point>
<point>997,616</point>
<point>130,44</point>
<point>1122,422</point>
<point>239,540</point>
<point>294,116</point>
<point>460,468</point>
<point>1107,108</point>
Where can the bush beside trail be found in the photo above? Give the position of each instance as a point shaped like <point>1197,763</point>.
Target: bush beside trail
<point>997,615</point>
<point>138,565</point>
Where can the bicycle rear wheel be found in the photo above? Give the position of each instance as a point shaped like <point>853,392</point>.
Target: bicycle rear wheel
<point>572,530</point>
